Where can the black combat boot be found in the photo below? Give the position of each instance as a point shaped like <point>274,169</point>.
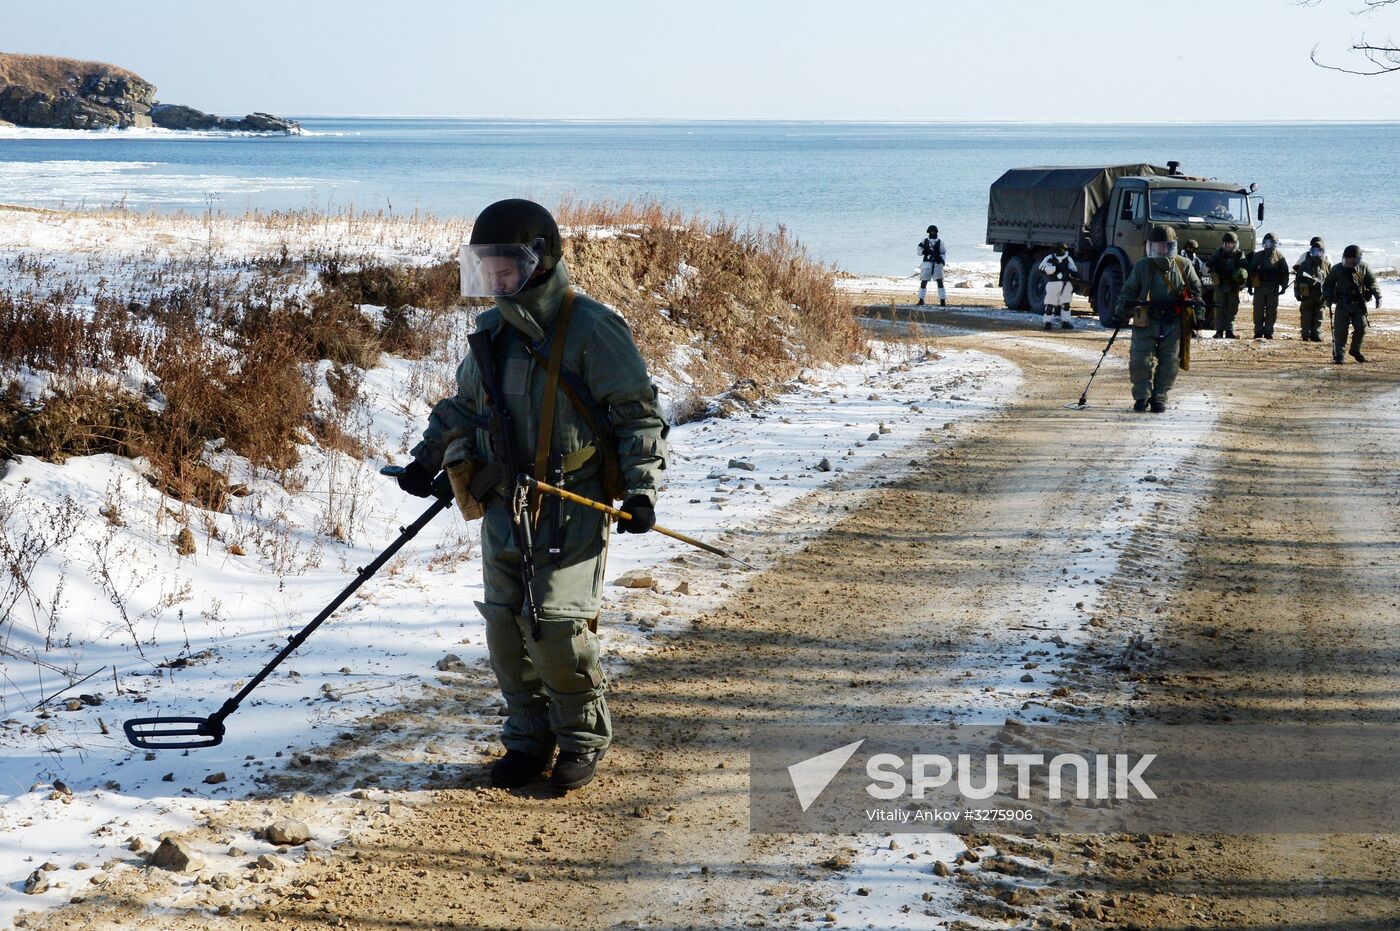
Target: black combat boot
<point>1219,334</point>
<point>517,768</point>
<point>942,302</point>
<point>921,303</point>
<point>1337,355</point>
<point>1230,334</point>
<point>1356,354</point>
<point>1140,405</point>
<point>1066,325</point>
<point>1047,326</point>
<point>1158,406</point>
<point>575,768</point>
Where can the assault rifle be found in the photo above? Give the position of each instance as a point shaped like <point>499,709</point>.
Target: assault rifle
<point>503,451</point>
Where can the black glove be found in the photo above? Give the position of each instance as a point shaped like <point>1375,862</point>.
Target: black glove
<point>416,480</point>
<point>1378,302</point>
<point>1251,292</point>
<point>643,515</point>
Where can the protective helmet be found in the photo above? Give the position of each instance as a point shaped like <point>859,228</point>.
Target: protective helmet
<point>511,240</point>
<point>1317,241</point>
<point>1269,237</point>
<point>1229,237</point>
<point>1351,252</point>
<point>1161,241</point>
<point>1241,276</point>
<point>1061,248</point>
<point>933,231</point>
<point>1192,245</point>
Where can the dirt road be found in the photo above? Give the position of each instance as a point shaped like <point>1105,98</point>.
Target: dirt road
<point>1232,560</point>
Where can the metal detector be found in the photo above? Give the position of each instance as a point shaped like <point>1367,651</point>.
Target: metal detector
<point>192,733</point>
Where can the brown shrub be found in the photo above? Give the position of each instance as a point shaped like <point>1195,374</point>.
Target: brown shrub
<point>756,305</point>
<point>43,334</point>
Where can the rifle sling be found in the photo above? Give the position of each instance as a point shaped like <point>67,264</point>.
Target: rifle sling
<point>545,440</point>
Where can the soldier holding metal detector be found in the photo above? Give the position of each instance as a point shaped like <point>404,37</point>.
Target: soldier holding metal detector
<point>1158,299</point>
<point>554,393</point>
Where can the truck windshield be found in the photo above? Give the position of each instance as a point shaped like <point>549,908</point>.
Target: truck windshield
<point>1199,206</point>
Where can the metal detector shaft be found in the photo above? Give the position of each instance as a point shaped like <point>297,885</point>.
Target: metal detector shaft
<point>155,734</point>
<point>1084,398</point>
<point>623,515</point>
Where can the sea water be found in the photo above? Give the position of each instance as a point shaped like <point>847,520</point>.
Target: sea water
<point>858,195</point>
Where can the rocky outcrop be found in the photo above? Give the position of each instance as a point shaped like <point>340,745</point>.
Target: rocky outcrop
<point>176,116</point>
<point>61,93</point>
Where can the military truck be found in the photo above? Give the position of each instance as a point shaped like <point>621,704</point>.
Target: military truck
<point>1103,214</point>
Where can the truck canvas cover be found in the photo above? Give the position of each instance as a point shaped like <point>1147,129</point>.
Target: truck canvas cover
<point>1048,204</point>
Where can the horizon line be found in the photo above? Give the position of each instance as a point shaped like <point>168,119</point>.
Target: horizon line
<point>1003,121</point>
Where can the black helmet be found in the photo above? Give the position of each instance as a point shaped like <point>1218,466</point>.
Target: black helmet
<point>1317,241</point>
<point>933,231</point>
<point>1161,233</point>
<point>1061,247</point>
<point>519,222</point>
<point>1351,252</point>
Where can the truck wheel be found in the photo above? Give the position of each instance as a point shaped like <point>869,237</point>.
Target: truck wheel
<point>1035,290</point>
<point>1015,278</point>
<point>1110,283</point>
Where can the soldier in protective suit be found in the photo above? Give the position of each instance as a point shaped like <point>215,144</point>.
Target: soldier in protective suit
<point>1348,287</point>
<point>1268,279</point>
<point>1309,272</point>
<point>1059,270</point>
<point>1155,301</point>
<point>1229,267</point>
<point>600,433</point>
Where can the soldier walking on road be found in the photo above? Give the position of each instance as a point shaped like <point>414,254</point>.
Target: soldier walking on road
<point>932,256</point>
<point>1268,278</point>
<point>1156,300</point>
<point>574,399</point>
<point>1230,271</point>
<point>1059,270</point>
<point>1309,272</point>
<point>1347,288</point>
<point>1190,250</point>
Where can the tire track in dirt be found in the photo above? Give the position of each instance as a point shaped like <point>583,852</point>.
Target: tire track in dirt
<point>1281,614</point>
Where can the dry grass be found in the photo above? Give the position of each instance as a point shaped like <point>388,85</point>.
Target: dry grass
<point>226,344</point>
<point>753,303</point>
<point>51,74</point>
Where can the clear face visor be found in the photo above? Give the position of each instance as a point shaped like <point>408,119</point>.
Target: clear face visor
<point>1161,250</point>
<point>498,270</point>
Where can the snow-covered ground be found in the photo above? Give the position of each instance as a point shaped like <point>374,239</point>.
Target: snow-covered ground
<point>147,629</point>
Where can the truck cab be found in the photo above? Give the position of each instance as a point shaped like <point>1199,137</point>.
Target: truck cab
<point>1197,209</point>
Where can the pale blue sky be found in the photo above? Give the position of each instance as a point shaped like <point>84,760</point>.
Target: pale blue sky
<point>730,59</point>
